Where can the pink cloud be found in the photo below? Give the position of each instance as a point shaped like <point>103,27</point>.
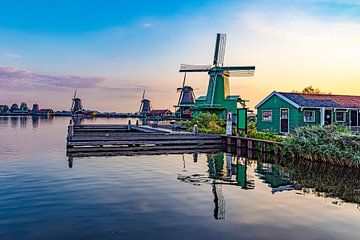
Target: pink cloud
<point>16,78</point>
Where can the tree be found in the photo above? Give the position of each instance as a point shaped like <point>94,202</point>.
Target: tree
<point>14,107</point>
<point>311,90</point>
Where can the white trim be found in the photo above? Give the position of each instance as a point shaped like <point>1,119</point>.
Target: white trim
<point>288,116</point>
<point>262,115</point>
<point>280,96</point>
<point>344,115</point>
<point>305,118</point>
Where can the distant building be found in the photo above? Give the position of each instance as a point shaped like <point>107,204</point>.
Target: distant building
<point>24,107</point>
<point>282,112</point>
<point>46,112</point>
<point>35,109</point>
<point>160,113</point>
<point>4,109</point>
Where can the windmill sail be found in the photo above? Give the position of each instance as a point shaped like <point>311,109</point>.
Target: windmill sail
<point>241,71</point>
<point>194,68</point>
<point>219,50</point>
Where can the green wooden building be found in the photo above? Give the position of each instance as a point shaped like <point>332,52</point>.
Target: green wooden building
<point>282,112</point>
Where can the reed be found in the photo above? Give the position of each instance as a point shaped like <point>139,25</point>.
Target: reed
<point>331,144</point>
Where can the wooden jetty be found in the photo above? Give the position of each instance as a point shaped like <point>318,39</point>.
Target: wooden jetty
<point>252,144</point>
<point>94,138</point>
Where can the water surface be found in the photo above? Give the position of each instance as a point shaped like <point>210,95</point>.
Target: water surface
<point>199,195</point>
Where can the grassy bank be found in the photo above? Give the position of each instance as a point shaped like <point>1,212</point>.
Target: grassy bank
<point>330,144</point>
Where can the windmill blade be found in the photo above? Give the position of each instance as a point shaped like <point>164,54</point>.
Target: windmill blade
<point>73,100</point>
<point>183,84</point>
<point>219,49</point>
<point>239,71</point>
<point>194,68</point>
<point>143,96</point>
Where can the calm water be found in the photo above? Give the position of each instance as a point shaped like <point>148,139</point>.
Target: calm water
<point>190,196</point>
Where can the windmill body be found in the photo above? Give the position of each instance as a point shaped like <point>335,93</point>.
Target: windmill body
<point>186,101</point>
<point>145,106</point>
<point>76,106</point>
<point>218,99</point>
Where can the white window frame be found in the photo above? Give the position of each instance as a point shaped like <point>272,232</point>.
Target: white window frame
<point>262,116</point>
<point>305,117</point>
<point>344,115</point>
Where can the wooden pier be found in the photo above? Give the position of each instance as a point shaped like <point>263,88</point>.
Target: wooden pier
<point>253,144</point>
<point>95,138</point>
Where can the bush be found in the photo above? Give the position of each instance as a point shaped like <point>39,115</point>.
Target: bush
<point>207,123</point>
<point>252,133</point>
<point>333,144</point>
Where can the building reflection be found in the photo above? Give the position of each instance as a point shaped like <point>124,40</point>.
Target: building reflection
<point>4,121</point>
<point>35,121</point>
<point>23,121</point>
<point>14,121</point>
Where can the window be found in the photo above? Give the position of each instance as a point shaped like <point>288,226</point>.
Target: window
<point>309,116</point>
<point>340,116</point>
<point>267,116</point>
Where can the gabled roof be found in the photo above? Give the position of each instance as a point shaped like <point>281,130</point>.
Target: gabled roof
<point>280,96</point>
<point>160,111</point>
<point>316,100</point>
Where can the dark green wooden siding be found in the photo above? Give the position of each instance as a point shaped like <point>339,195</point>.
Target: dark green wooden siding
<point>296,116</point>
<point>275,104</point>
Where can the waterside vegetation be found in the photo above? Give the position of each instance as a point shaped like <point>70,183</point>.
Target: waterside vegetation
<point>331,144</point>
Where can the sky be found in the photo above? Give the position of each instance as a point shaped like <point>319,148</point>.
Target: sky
<point>111,50</point>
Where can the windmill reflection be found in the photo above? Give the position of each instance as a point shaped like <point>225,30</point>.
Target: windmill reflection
<point>221,171</point>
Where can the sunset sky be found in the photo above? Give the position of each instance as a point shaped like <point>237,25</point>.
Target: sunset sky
<point>111,50</point>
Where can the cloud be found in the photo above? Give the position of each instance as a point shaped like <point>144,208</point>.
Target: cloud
<point>147,25</point>
<point>9,55</point>
<point>16,78</point>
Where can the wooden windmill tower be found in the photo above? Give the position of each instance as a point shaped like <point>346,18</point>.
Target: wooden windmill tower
<point>145,106</point>
<point>186,100</point>
<point>218,99</point>
<point>76,106</point>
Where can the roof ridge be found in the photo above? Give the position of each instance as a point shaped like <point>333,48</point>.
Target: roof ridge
<point>320,94</point>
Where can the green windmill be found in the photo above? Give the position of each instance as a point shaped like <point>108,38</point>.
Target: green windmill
<point>218,99</point>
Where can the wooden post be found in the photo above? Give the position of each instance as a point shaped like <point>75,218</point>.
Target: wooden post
<point>264,146</point>
<point>250,144</point>
<point>238,142</point>
<point>70,130</point>
<point>129,125</point>
<point>276,149</point>
<point>196,130</point>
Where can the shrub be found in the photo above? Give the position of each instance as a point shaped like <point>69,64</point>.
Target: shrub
<point>333,144</point>
<point>207,123</point>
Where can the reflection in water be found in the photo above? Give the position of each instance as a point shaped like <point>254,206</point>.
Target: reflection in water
<point>4,121</point>
<point>23,120</point>
<point>306,178</point>
<point>318,179</point>
<point>14,122</point>
<point>35,121</point>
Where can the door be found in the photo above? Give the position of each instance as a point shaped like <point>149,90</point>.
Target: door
<point>284,120</point>
<point>353,118</point>
<point>328,117</point>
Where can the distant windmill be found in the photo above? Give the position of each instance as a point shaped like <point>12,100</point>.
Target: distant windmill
<point>76,105</point>
<point>145,106</point>
<point>218,99</point>
<point>186,99</point>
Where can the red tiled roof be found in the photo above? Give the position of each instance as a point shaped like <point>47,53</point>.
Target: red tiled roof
<point>343,100</point>
<point>45,110</point>
<point>160,111</point>
<point>346,101</point>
